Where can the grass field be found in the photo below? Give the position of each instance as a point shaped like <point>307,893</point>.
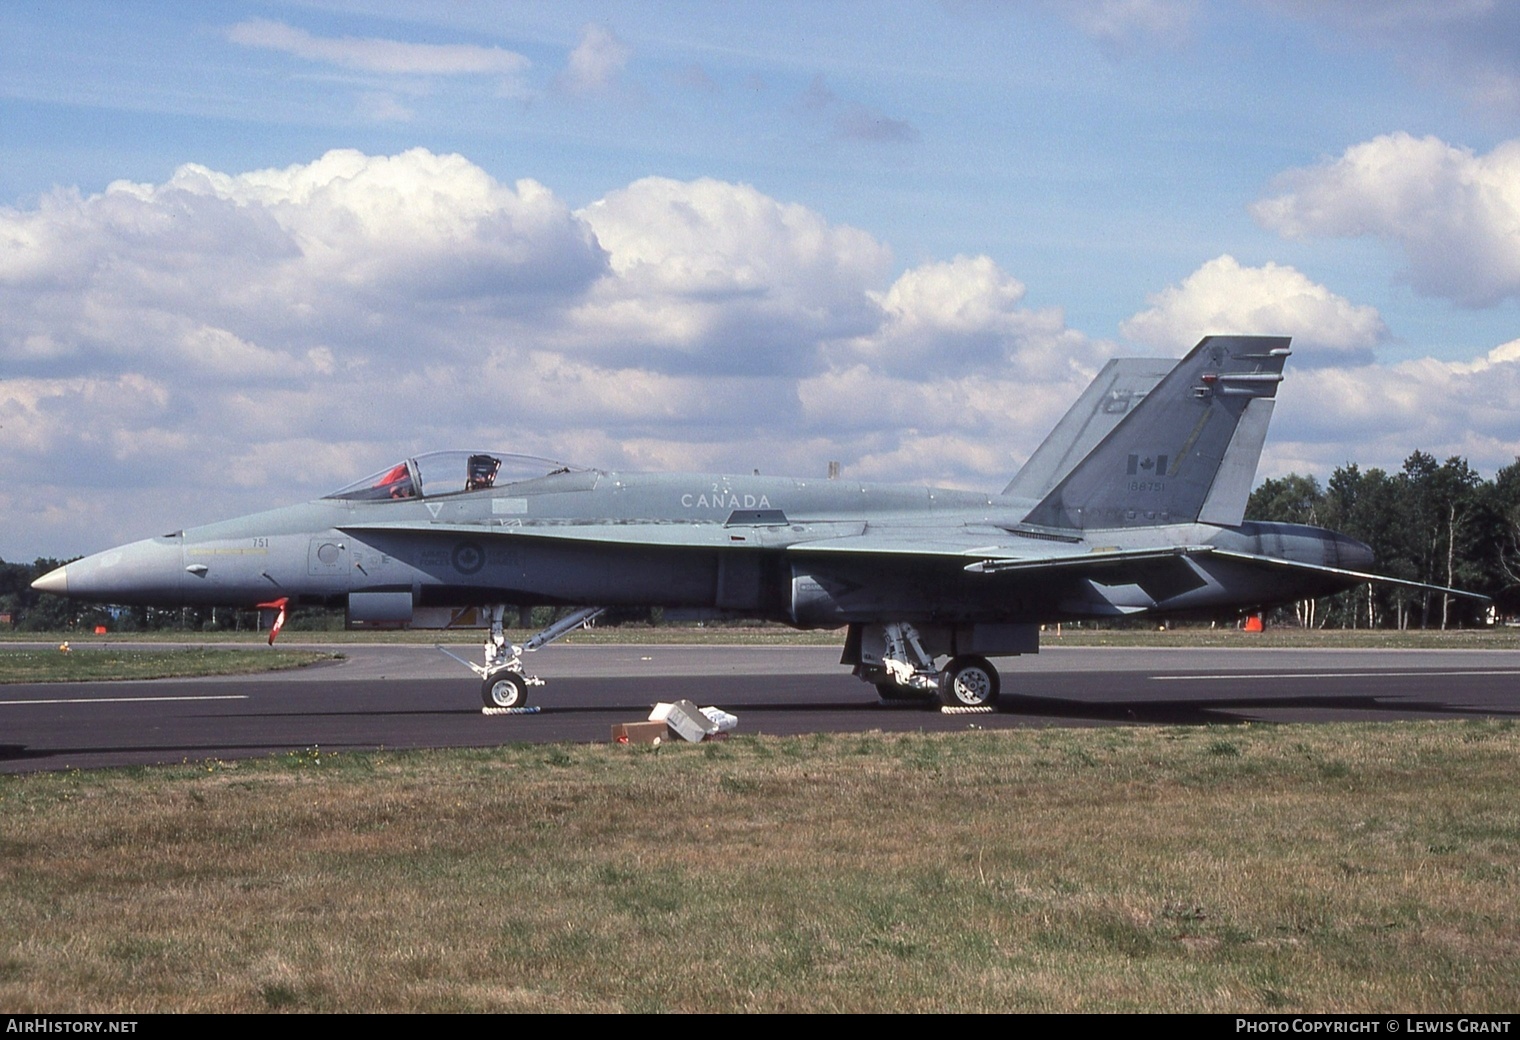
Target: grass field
<point>1496,638</point>
<point>1365,868</point>
<point>137,662</point>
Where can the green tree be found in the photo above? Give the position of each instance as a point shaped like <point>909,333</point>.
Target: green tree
<point>1292,499</point>
<point>1366,506</point>
<point>1502,559</point>
<point>1442,504</point>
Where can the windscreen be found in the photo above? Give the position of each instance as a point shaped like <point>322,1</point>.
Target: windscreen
<point>449,473</point>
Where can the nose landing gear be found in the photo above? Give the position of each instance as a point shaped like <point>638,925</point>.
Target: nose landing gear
<point>503,682</point>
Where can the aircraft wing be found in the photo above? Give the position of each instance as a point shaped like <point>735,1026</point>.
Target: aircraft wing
<point>1352,577</point>
<point>845,538</point>
<point>993,552</point>
<point>982,550</point>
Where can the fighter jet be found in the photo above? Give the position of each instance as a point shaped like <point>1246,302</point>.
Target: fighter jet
<point>1134,506</point>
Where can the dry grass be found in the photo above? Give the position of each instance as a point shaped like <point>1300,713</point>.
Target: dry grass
<point>1494,638</point>
<point>1335,868</point>
<point>120,662</point>
<point>760,634</point>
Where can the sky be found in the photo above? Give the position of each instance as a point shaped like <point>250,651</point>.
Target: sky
<point>250,252</point>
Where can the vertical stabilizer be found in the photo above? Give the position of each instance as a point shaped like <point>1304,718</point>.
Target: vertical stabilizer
<point>1187,452</point>
<point>1116,390</point>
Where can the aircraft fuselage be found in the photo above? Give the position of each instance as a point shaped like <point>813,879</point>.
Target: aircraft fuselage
<point>752,546</point>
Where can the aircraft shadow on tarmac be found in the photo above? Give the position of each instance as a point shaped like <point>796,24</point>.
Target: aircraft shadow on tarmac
<point>1022,709</point>
<point>1158,711</point>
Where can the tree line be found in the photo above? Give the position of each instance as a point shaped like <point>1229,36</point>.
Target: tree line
<point>25,609</point>
<point>29,610</point>
<point>1435,522</point>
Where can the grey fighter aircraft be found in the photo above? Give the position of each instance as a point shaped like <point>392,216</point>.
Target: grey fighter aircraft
<point>1134,505</point>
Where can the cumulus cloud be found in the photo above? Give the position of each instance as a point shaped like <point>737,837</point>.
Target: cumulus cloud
<point>1375,415</point>
<point>595,63</point>
<point>221,314</point>
<point>964,315</point>
<point>721,277</point>
<point>957,381</point>
<point>1338,405</point>
<point>220,342</point>
<point>1224,297</point>
<point>287,260</point>
<point>368,54</point>
<point>966,431</point>
<point>1454,214</point>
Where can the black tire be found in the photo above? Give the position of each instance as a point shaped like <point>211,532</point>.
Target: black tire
<point>504,690</point>
<point>969,682</point>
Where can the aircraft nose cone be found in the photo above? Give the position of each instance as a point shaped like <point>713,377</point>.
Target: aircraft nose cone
<point>55,581</point>
<point>151,571</point>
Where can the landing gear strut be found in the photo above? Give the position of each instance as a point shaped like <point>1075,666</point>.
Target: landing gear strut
<point>905,671</point>
<point>503,683</point>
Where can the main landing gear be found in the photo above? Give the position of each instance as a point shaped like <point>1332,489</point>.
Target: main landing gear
<point>969,682</point>
<point>907,672</point>
<point>503,683</point>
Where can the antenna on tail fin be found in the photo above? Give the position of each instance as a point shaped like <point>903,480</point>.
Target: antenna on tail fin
<point>1187,452</point>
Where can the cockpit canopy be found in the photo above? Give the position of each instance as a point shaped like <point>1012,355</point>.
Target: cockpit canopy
<point>450,473</point>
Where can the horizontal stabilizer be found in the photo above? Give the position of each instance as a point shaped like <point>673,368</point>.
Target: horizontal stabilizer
<point>1134,564</point>
<point>1352,578</point>
<point>1161,572</point>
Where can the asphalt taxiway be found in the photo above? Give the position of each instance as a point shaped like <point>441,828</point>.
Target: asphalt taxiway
<point>410,696</point>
